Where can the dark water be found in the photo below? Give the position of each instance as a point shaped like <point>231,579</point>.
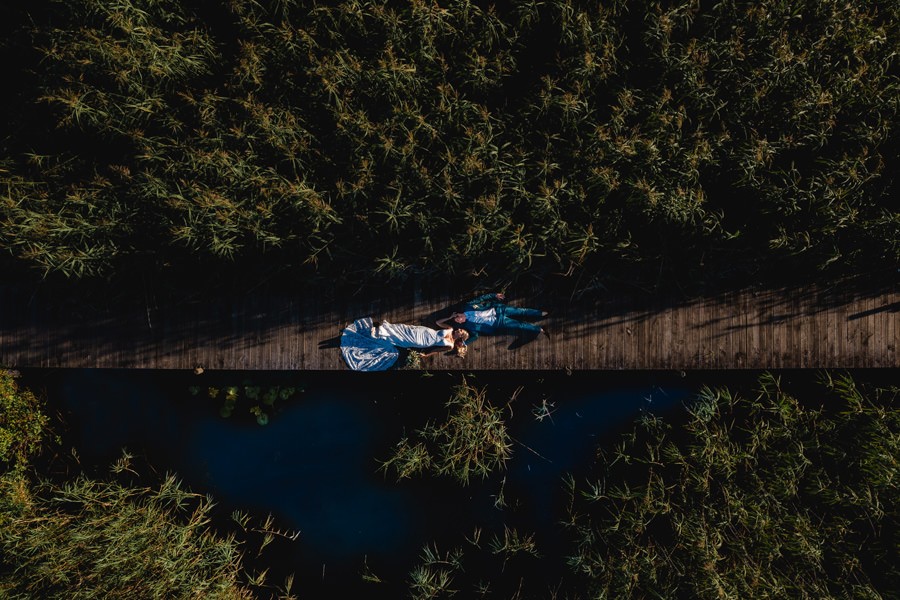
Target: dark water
<point>315,465</point>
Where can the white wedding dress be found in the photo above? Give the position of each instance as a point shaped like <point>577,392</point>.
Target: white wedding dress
<point>412,336</point>
<point>368,348</point>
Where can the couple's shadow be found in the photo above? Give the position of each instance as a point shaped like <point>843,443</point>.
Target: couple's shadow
<point>522,340</point>
<point>334,342</point>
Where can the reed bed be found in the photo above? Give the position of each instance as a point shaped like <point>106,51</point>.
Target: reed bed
<point>366,140</point>
<point>747,494</point>
<point>753,496</point>
<point>121,537</point>
<point>765,492</point>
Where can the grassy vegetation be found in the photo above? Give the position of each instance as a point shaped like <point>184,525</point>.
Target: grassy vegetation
<point>473,440</point>
<point>364,140</point>
<point>117,538</point>
<point>23,424</point>
<point>471,569</point>
<point>751,492</point>
<point>754,496</point>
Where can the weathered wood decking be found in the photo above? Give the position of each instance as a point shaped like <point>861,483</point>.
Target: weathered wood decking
<point>784,328</point>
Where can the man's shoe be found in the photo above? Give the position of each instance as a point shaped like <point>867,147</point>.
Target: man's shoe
<point>544,313</point>
<point>544,331</point>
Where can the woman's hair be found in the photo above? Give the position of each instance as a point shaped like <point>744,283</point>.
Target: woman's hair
<point>459,342</point>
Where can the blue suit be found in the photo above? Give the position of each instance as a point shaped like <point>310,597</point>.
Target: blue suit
<point>506,318</point>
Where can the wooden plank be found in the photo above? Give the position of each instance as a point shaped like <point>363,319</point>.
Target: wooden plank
<point>762,329</point>
<point>806,328</point>
<point>753,332</point>
<point>844,350</point>
<point>865,316</point>
<point>740,341</point>
<point>891,330</point>
<point>831,336</point>
<point>813,321</point>
<point>778,330</point>
<point>796,348</point>
<point>880,330</point>
<point>723,332</point>
<point>876,347</point>
<point>873,346</point>
<point>681,355</point>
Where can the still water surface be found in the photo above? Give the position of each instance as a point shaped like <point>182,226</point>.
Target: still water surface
<point>315,465</point>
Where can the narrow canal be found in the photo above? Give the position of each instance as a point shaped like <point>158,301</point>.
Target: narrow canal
<point>315,464</point>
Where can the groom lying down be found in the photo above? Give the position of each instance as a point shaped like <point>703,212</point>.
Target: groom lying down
<point>489,315</point>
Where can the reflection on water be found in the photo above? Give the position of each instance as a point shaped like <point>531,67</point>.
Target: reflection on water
<point>315,465</point>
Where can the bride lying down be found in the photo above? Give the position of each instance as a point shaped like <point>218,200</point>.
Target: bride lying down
<point>366,347</point>
<point>418,336</point>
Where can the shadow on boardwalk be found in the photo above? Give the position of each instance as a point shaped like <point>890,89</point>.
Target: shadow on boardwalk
<point>846,324</point>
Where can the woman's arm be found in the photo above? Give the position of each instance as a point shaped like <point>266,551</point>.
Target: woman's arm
<point>436,350</point>
<point>445,322</point>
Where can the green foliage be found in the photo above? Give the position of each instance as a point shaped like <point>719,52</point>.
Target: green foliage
<point>261,399</point>
<point>476,570</point>
<point>560,136</point>
<point>23,424</point>
<point>473,440</point>
<point>751,497</point>
<point>413,361</point>
<point>433,578</point>
<point>513,543</point>
<point>409,459</point>
<point>92,539</point>
<point>23,432</point>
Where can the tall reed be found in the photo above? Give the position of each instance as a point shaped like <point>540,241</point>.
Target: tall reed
<point>752,496</point>
<point>362,139</point>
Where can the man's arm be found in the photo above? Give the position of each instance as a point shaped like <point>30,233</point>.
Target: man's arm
<point>486,301</point>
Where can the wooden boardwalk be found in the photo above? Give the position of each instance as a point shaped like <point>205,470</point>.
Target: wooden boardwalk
<point>784,328</point>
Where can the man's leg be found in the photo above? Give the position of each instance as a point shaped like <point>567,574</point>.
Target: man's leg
<point>528,313</point>
<point>518,327</point>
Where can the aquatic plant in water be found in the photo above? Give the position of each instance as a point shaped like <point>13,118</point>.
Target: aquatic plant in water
<point>409,459</point>
<point>474,569</point>
<point>433,577</point>
<point>86,538</point>
<point>262,398</point>
<point>473,440</point>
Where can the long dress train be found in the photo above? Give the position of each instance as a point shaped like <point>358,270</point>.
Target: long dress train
<point>362,352</point>
<point>368,348</point>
